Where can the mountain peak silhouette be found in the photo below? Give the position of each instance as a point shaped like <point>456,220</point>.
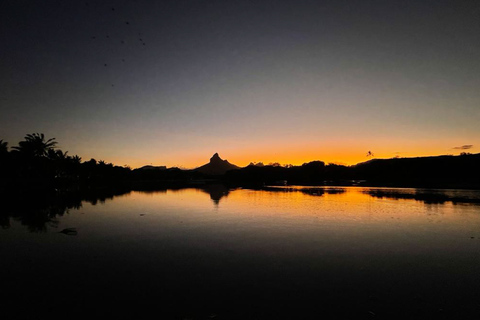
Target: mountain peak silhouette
<point>216,166</point>
<point>215,158</point>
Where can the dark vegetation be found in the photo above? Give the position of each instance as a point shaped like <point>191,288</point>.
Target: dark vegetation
<point>36,164</point>
<point>429,172</point>
<point>54,182</point>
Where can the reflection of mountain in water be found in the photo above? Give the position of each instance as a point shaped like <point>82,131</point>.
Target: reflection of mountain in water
<point>427,196</point>
<point>38,210</point>
<point>216,191</point>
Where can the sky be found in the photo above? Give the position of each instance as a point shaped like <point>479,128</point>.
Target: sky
<point>173,82</point>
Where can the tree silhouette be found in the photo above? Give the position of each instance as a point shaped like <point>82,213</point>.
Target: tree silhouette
<point>35,145</point>
<point>3,147</point>
<point>76,159</point>
<point>57,154</point>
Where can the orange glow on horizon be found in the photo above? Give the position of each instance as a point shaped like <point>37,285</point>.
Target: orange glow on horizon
<point>342,157</point>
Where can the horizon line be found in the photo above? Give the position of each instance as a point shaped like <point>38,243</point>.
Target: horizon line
<point>298,165</point>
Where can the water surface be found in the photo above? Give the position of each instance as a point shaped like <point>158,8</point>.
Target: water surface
<point>278,252</point>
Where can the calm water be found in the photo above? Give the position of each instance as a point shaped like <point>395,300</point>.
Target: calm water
<point>250,254</point>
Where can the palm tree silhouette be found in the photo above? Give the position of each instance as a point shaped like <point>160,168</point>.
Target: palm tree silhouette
<point>57,154</point>
<point>3,147</point>
<point>35,145</point>
<point>76,159</point>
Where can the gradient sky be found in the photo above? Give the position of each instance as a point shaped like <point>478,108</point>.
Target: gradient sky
<point>271,81</point>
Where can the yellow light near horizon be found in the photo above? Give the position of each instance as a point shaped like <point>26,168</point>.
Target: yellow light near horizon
<point>339,152</point>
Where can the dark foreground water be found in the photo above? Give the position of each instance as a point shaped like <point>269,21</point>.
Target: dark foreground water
<point>319,253</point>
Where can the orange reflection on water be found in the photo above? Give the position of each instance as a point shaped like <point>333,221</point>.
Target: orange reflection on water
<point>285,212</point>
<point>348,205</point>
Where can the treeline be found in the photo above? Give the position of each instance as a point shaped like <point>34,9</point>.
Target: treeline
<point>36,163</point>
<point>461,171</point>
<point>313,173</point>
<point>431,172</point>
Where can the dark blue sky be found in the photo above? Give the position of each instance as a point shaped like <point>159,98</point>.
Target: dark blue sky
<point>172,82</point>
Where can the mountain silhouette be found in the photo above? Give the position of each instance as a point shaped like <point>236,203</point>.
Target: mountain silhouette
<point>150,167</point>
<point>216,166</point>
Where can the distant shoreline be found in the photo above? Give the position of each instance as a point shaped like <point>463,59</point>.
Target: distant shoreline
<point>36,164</point>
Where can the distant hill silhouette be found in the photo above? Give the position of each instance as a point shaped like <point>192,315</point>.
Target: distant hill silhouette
<point>434,171</point>
<point>431,172</point>
<point>216,166</point>
<point>149,167</point>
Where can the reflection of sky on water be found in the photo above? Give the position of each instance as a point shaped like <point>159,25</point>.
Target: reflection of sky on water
<point>270,245</point>
<point>39,213</point>
<point>349,218</point>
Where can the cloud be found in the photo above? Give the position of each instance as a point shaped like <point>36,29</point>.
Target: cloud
<point>464,147</point>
